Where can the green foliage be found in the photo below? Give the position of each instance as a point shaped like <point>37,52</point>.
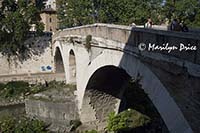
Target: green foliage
<point>15,23</point>
<point>40,4</point>
<point>184,10</point>
<point>74,13</point>
<point>91,131</point>
<point>12,89</point>
<point>1,86</point>
<point>15,89</point>
<point>26,125</point>
<point>59,85</point>
<point>126,120</point>
<point>10,124</point>
<point>7,124</point>
<point>82,12</point>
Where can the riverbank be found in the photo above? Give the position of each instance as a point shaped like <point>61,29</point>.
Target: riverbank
<point>15,92</point>
<point>57,107</point>
<point>50,97</point>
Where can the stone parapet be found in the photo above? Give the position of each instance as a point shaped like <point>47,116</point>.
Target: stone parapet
<point>133,36</point>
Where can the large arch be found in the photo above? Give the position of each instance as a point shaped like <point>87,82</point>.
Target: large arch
<point>58,60</point>
<point>72,67</point>
<point>109,90</point>
<point>158,94</point>
<point>104,84</point>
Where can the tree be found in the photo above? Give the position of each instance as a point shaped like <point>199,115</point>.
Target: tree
<point>39,4</point>
<point>61,9</point>
<point>184,10</point>
<point>15,24</point>
<point>73,13</point>
<point>81,12</point>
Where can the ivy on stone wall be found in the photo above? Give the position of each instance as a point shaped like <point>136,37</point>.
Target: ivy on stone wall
<point>88,42</point>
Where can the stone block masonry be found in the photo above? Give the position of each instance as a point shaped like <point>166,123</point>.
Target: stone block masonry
<point>56,107</point>
<point>58,115</point>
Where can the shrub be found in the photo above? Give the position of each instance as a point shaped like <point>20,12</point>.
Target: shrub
<point>27,125</point>
<point>14,88</point>
<point>10,124</point>
<point>7,124</point>
<point>126,120</point>
<point>2,86</point>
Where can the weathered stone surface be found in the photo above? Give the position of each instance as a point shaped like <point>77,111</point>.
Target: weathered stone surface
<point>56,107</point>
<point>183,87</point>
<point>41,56</point>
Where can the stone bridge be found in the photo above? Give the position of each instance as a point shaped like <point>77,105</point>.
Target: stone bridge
<point>101,58</point>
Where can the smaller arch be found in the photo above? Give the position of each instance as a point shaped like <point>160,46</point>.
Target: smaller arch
<point>72,67</point>
<point>59,65</point>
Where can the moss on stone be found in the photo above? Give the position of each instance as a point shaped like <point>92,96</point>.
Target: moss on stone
<point>88,42</point>
<point>91,131</point>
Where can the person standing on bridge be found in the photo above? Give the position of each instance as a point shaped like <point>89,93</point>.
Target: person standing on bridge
<point>184,27</point>
<point>149,23</point>
<point>175,25</point>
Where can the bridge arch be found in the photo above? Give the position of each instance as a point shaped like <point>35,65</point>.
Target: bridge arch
<point>72,67</point>
<point>58,61</point>
<point>158,94</point>
<point>111,89</point>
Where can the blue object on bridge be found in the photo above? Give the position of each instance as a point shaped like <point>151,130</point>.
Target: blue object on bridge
<point>49,67</point>
<point>43,68</point>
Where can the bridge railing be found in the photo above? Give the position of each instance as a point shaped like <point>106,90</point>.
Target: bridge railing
<point>107,31</point>
<point>135,35</point>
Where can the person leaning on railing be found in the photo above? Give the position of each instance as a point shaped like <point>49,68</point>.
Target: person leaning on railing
<point>149,23</point>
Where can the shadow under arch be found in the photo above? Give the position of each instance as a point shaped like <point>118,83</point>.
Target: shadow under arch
<point>109,90</point>
<point>58,61</point>
<point>72,67</point>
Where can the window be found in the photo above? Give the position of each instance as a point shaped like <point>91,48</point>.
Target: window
<point>50,20</point>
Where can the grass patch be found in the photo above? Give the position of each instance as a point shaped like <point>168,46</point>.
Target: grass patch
<point>16,89</point>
